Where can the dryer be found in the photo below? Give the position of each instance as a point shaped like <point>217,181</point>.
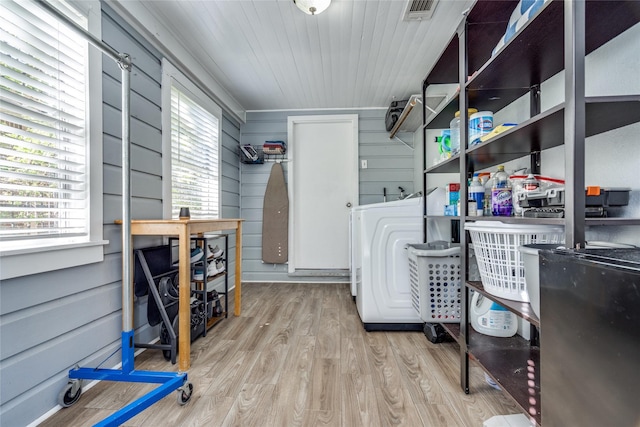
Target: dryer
<point>380,265</point>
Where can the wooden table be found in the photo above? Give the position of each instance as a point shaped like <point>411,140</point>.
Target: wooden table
<point>184,229</point>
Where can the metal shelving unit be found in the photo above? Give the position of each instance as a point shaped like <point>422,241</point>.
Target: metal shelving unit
<point>518,68</point>
<point>202,287</point>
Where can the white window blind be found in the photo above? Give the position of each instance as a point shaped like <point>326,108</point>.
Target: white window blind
<point>43,136</point>
<point>194,157</point>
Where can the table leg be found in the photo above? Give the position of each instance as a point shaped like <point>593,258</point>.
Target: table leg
<point>238,289</point>
<point>184,309</point>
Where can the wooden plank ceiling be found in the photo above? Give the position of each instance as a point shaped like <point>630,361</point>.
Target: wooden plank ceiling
<point>269,55</point>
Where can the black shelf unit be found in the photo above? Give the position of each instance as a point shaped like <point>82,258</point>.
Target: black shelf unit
<point>155,263</point>
<point>201,287</point>
<point>544,131</point>
<point>510,362</point>
<point>493,82</point>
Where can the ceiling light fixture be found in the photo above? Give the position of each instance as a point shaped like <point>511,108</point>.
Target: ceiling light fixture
<point>312,7</point>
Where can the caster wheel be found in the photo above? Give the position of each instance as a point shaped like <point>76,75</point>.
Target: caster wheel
<point>184,393</point>
<point>70,394</point>
<point>435,332</point>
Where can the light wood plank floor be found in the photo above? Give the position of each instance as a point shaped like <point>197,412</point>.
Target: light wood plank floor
<point>299,356</point>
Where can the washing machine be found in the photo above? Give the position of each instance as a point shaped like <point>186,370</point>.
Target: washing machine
<point>380,233</point>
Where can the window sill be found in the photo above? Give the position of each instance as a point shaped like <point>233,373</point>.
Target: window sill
<point>25,262</point>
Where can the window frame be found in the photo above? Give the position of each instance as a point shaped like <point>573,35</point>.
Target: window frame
<point>172,76</point>
<point>44,255</point>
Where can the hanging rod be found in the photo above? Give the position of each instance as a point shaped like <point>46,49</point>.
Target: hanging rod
<point>124,62</point>
<point>405,113</point>
<point>121,58</point>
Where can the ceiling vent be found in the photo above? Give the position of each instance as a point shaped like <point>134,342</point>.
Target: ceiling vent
<point>418,10</point>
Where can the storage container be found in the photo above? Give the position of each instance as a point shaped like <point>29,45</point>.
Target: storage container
<point>496,246</point>
<point>480,124</point>
<point>434,276</point>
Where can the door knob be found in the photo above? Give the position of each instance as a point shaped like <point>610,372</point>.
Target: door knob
<point>348,204</point>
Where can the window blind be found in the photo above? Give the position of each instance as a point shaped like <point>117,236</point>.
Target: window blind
<point>194,157</point>
<point>43,138</point>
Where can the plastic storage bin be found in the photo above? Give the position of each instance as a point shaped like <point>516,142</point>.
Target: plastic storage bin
<point>500,262</point>
<point>434,276</point>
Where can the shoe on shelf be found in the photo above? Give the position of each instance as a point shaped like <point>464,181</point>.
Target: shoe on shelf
<point>196,255</point>
<point>198,274</point>
<point>215,252</point>
<point>220,267</point>
<point>211,269</point>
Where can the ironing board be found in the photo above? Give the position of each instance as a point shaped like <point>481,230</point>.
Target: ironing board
<point>275,221</point>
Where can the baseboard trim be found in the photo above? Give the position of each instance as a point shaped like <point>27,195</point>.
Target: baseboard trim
<point>320,273</point>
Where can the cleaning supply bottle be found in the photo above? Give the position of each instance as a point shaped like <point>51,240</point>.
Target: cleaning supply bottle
<point>476,197</point>
<point>454,126</point>
<point>490,318</point>
<point>501,194</point>
<point>486,181</point>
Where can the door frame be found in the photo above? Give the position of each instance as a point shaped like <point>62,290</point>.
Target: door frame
<point>291,149</point>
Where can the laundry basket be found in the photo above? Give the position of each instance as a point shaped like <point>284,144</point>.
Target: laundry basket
<point>499,260</point>
<point>434,275</point>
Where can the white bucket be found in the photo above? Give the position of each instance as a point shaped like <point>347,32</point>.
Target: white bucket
<point>480,124</point>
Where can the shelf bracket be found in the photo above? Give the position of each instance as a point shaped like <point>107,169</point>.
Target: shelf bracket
<point>396,137</point>
<point>415,99</point>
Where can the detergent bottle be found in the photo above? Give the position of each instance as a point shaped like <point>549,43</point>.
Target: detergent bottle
<point>501,194</point>
<point>476,197</point>
<point>490,318</point>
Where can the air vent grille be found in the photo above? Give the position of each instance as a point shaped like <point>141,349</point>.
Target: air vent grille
<point>417,10</point>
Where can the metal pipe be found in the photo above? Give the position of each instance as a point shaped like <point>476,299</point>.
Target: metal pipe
<point>127,294</point>
<point>108,50</point>
<point>124,61</point>
<point>574,122</point>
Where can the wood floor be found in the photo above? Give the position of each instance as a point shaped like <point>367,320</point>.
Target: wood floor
<point>299,356</point>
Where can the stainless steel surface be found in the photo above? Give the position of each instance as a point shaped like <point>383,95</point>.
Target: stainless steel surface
<point>590,322</point>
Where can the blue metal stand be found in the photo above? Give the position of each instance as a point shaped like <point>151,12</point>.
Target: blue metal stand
<point>169,381</point>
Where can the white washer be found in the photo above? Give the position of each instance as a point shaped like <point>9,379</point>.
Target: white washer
<point>380,265</point>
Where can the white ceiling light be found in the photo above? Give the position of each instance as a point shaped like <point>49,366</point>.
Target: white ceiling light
<point>312,7</point>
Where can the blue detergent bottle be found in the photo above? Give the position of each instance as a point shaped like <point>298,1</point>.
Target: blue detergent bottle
<point>490,318</point>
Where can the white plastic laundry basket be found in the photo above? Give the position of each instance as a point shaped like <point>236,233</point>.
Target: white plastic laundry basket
<point>434,275</point>
<point>499,260</point>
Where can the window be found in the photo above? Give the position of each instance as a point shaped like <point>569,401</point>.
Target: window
<point>191,128</point>
<point>50,158</point>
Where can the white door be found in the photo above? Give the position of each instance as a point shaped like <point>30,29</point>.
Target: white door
<point>323,186</point>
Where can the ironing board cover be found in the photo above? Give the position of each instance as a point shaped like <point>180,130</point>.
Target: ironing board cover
<point>275,221</point>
